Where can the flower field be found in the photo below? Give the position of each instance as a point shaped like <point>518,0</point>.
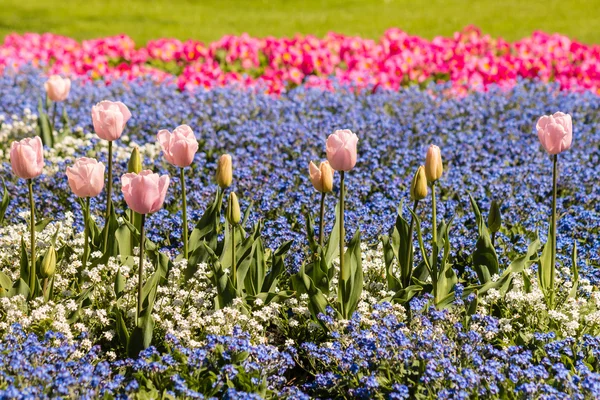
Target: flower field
<point>468,60</point>
<point>182,246</point>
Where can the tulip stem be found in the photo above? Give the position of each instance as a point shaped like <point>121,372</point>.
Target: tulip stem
<point>322,220</point>
<point>553,248</point>
<point>493,239</point>
<point>342,236</point>
<point>45,288</point>
<point>434,269</point>
<point>108,195</point>
<point>233,261</point>
<point>86,238</point>
<point>54,108</point>
<point>409,261</point>
<point>141,269</point>
<point>32,238</point>
<point>184,213</point>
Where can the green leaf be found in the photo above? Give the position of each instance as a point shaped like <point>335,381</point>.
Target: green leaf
<point>350,287</point>
<point>575,272</point>
<point>205,233</point>
<point>4,202</point>
<point>41,224</point>
<point>332,249</point>
<point>119,284</point>
<point>447,278</point>
<point>44,129</point>
<point>121,328</point>
<point>545,268</point>
<point>141,337</point>
<point>24,262</point>
<point>225,290</point>
<point>310,233</point>
<point>277,265</point>
<point>426,259</point>
<point>5,282</point>
<point>20,288</point>
<point>317,302</point>
<point>485,260</point>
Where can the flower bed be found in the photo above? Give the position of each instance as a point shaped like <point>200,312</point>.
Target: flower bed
<point>499,341</point>
<point>469,60</point>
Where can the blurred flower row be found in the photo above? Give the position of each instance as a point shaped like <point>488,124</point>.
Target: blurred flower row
<point>468,59</point>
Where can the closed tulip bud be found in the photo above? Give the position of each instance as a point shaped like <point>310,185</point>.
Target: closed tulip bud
<point>418,186</point>
<point>494,217</point>
<point>321,177</point>
<point>135,161</point>
<point>433,164</point>
<point>326,176</point>
<point>48,263</point>
<point>224,175</point>
<point>233,209</point>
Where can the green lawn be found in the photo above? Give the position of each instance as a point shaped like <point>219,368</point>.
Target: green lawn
<point>210,19</point>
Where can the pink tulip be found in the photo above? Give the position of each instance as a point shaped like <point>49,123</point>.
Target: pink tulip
<point>341,150</point>
<point>57,88</point>
<point>180,146</point>
<point>86,177</point>
<point>555,132</point>
<point>27,157</point>
<point>109,119</point>
<point>144,192</point>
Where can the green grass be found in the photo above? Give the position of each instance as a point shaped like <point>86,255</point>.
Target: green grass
<point>210,19</point>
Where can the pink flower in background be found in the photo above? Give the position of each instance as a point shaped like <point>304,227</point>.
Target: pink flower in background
<point>57,88</point>
<point>27,157</point>
<point>109,119</point>
<point>86,177</point>
<point>144,192</point>
<point>555,132</point>
<point>469,59</point>
<point>180,146</point>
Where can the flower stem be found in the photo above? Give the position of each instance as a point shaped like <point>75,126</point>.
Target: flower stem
<point>108,195</point>
<point>409,253</point>
<point>86,238</point>
<point>434,269</point>
<point>141,269</point>
<point>54,108</point>
<point>45,288</point>
<point>342,236</point>
<point>32,238</point>
<point>553,248</point>
<point>322,220</point>
<point>185,222</point>
<point>233,261</point>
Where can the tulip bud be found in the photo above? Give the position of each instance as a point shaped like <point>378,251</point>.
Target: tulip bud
<point>494,217</point>
<point>135,161</point>
<point>326,177</point>
<point>224,174</point>
<point>321,177</point>
<point>433,164</point>
<point>233,209</point>
<point>418,186</point>
<point>48,263</point>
